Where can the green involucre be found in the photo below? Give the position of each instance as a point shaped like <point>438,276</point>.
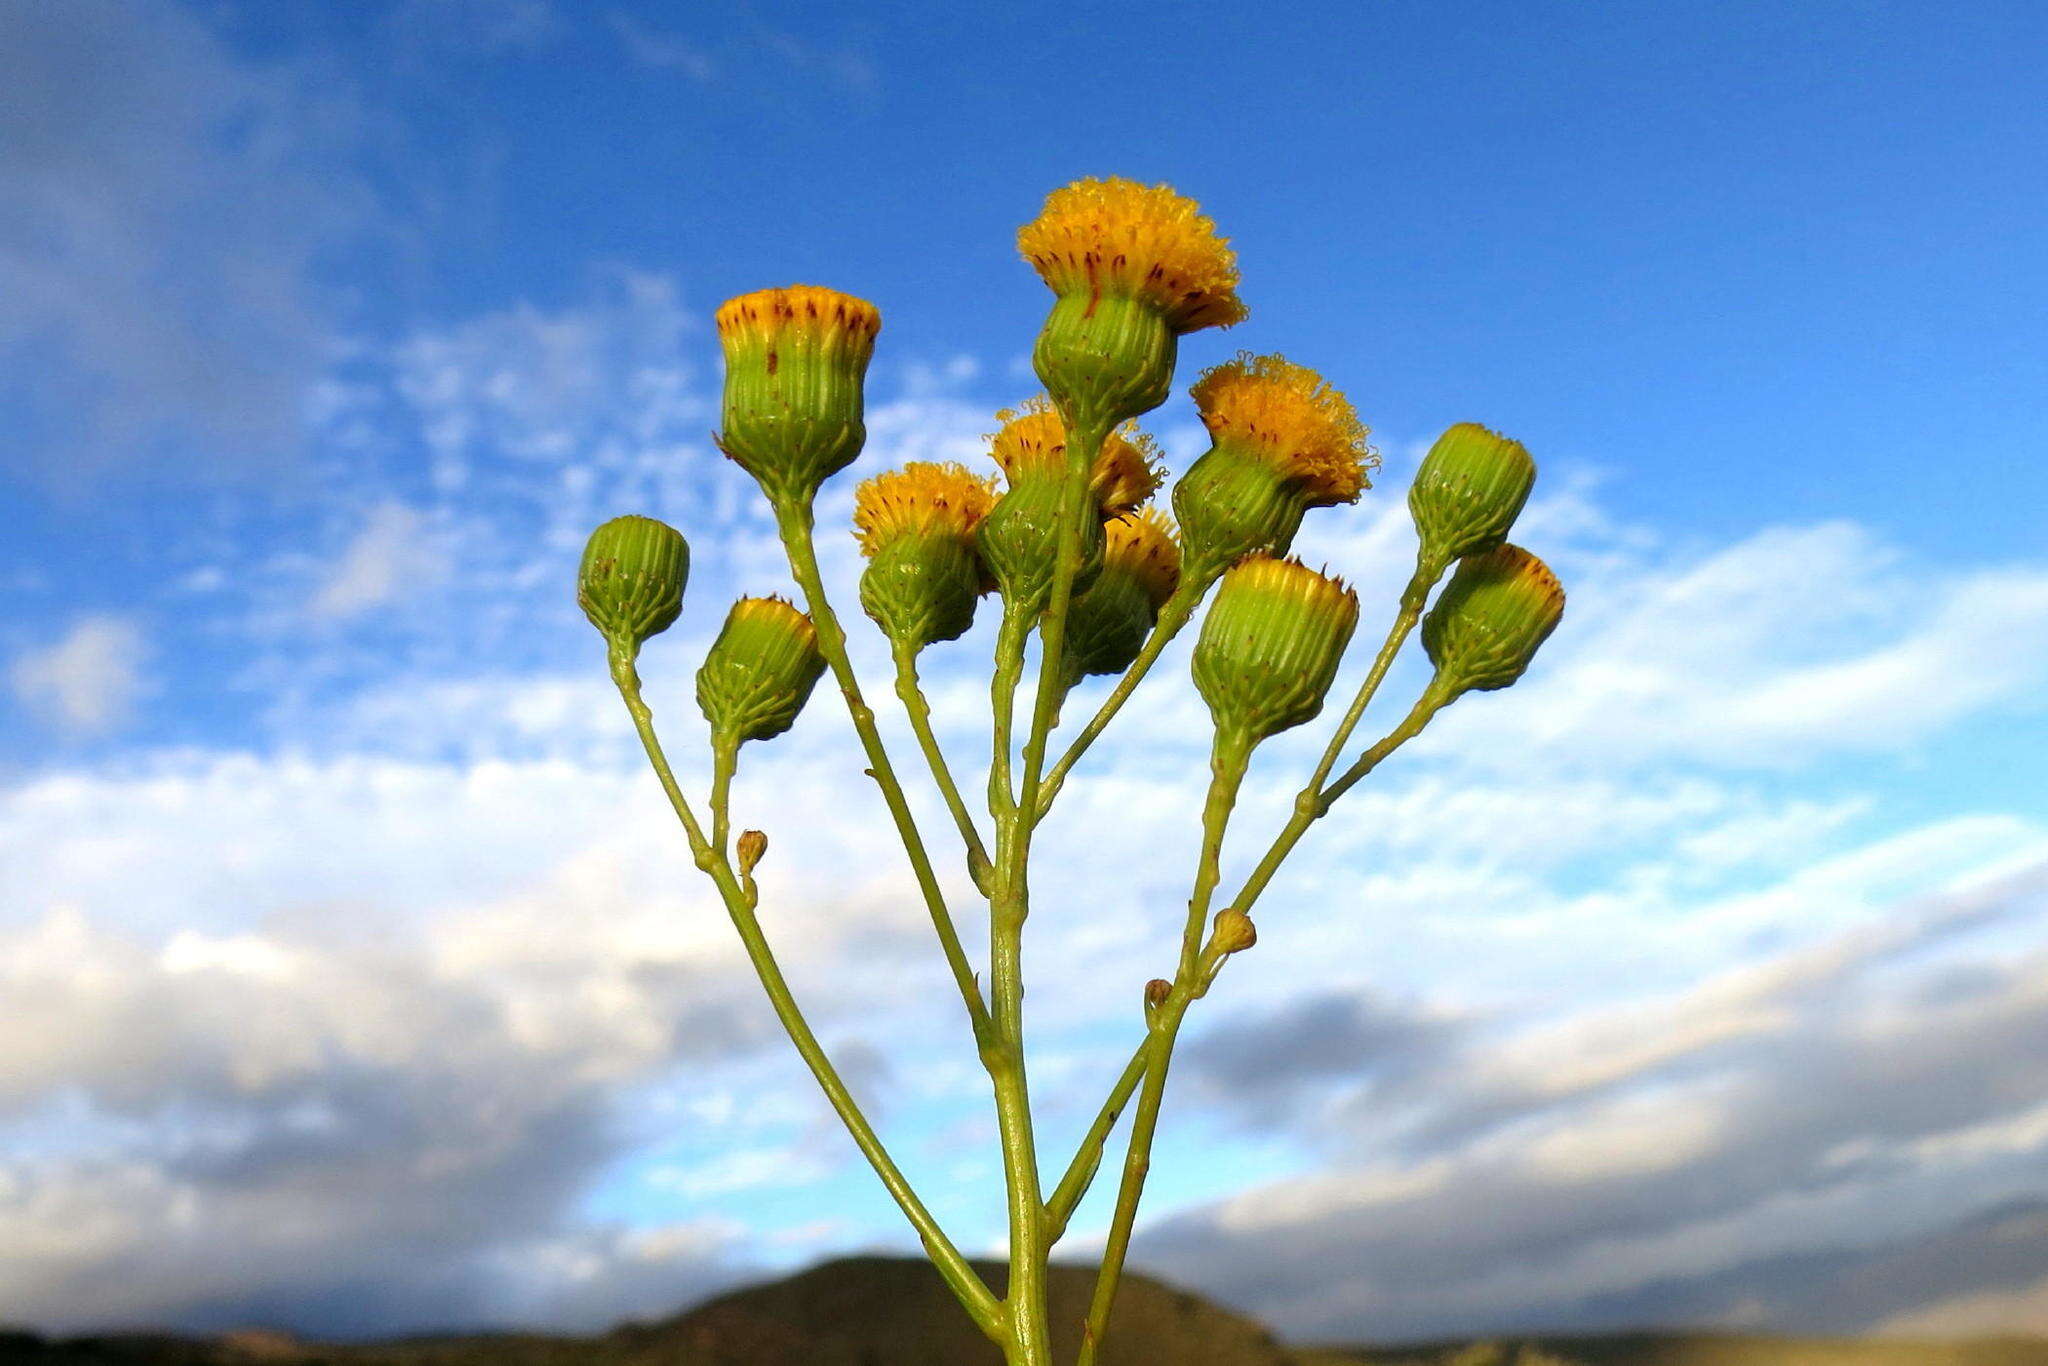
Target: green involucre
<point>1104,359</point>
<point>1108,624</point>
<point>1498,608</point>
<point>759,672</point>
<point>631,581</point>
<point>1270,646</point>
<point>1470,489</point>
<point>793,412</point>
<point>1231,503</point>
<point>922,589</point>
<point>1019,541</point>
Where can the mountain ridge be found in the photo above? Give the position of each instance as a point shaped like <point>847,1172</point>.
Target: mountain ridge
<point>891,1311</point>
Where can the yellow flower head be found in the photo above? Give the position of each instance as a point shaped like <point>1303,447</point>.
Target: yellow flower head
<point>921,499</point>
<point>1118,237</point>
<point>1034,439</point>
<point>799,314</point>
<point>1291,416</point>
<point>1141,544</point>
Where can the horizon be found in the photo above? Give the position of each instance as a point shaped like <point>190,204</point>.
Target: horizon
<point>351,974</point>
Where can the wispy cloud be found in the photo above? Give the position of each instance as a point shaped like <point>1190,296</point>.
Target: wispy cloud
<point>88,681</point>
<point>740,50</point>
<point>169,207</point>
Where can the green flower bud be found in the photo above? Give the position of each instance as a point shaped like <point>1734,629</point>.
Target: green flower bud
<point>1466,496</point>
<point>1107,625</point>
<point>1489,620</point>
<point>1019,542</point>
<point>1105,360</point>
<point>631,581</point>
<point>916,526</point>
<point>1270,646</point>
<point>759,672</point>
<point>795,361</point>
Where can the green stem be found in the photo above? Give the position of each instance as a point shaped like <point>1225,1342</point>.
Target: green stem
<point>981,1305</point>
<point>1173,615</point>
<point>794,522</point>
<point>1084,444</point>
<point>919,710</point>
<point>1015,815</point>
<point>1315,798</point>
<point>725,756</point>
<point>1009,670</point>
<point>1307,813</point>
<point>1080,1175</point>
<point>1228,760</point>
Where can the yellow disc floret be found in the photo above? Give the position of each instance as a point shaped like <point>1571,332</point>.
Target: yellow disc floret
<point>921,499</point>
<point>1119,238</point>
<point>1290,415</point>
<point>1033,439</point>
<point>1142,545</point>
<point>807,312</point>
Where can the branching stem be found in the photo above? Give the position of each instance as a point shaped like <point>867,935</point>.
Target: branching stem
<point>980,1303</point>
<point>794,522</point>
<point>1228,760</point>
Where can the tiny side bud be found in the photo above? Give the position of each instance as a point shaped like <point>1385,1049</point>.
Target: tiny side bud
<point>1233,931</point>
<point>753,847</point>
<point>1156,992</point>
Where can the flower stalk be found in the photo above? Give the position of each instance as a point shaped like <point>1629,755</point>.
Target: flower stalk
<point>1104,582</point>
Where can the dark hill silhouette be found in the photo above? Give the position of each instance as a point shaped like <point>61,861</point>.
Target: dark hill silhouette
<point>885,1311</point>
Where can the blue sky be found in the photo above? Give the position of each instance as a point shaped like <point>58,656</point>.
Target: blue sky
<point>363,986</point>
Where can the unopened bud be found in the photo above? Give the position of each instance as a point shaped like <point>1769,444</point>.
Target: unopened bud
<point>1107,625</point>
<point>1156,992</point>
<point>1233,931</point>
<point>631,581</point>
<point>1270,646</point>
<point>753,847</point>
<point>1488,622</point>
<point>795,362</point>
<point>759,672</point>
<point>1019,539</point>
<point>1466,496</point>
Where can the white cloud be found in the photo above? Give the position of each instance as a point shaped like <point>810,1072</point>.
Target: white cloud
<point>391,554</point>
<point>88,681</point>
<point>1595,940</point>
<point>1792,645</point>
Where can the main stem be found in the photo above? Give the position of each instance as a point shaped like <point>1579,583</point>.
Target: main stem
<point>1227,762</point>
<point>1015,813</point>
<point>793,519</point>
<point>960,1277</point>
